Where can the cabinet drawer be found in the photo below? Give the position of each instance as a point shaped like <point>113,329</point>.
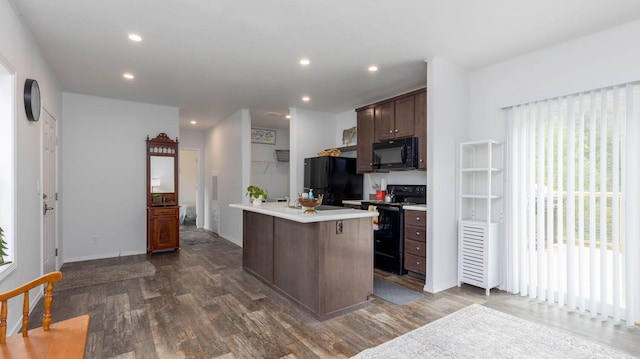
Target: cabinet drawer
<point>415,218</point>
<point>164,212</point>
<point>415,248</point>
<point>415,233</point>
<point>415,263</point>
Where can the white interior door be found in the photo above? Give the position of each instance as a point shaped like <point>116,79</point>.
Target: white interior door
<point>49,132</point>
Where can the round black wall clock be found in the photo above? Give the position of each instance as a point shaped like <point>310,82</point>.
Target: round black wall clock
<point>32,99</point>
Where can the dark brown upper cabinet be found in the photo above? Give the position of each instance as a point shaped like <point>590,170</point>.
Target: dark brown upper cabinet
<point>398,117</point>
<point>364,149</point>
<point>384,115</point>
<point>404,117</point>
<point>420,128</point>
<point>394,119</point>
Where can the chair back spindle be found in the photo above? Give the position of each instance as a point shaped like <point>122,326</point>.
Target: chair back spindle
<point>24,289</point>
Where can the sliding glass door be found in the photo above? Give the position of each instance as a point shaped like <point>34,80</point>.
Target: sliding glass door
<point>568,183</point>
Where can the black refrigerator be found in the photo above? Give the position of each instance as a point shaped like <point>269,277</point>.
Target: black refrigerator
<point>333,177</point>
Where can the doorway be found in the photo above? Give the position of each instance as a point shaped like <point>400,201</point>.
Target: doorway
<point>188,187</point>
<point>49,197</point>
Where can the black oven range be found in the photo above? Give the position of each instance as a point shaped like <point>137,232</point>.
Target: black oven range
<point>389,236</point>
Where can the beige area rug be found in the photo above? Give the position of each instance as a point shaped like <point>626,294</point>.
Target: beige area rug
<point>83,278</point>
<point>481,332</point>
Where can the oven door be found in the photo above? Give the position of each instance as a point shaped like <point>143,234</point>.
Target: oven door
<point>388,240</point>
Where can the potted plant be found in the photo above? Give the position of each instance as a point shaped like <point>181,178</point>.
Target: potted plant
<point>257,194</point>
<point>3,247</point>
<point>157,198</point>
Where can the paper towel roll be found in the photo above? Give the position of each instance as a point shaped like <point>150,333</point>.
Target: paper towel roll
<point>383,184</point>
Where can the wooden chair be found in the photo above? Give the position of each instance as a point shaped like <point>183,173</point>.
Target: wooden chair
<point>66,339</point>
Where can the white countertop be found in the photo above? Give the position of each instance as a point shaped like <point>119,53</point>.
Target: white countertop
<point>281,210</point>
<point>416,207</point>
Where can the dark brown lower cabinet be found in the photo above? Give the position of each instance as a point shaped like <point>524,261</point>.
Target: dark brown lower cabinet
<point>257,246</point>
<point>415,243</point>
<point>326,272</point>
<point>163,228</point>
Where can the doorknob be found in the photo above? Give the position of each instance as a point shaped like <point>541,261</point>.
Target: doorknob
<point>45,208</point>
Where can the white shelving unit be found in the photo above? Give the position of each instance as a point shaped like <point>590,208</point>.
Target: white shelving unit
<point>480,213</point>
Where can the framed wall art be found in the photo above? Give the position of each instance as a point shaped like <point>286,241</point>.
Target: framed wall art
<point>261,135</point>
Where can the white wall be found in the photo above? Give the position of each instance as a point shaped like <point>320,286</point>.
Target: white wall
<point>194,140</point>
<point>19,52</point>
<point>400,177</point>
<point>104,172</point>
<point>311,131</point>
<point>447,120</point>
<point>227,155</point>
<point>598,60</point>
<point>266,171</point>
<point>346,120</point>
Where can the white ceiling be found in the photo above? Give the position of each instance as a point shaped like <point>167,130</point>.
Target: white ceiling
<point>211,58</point>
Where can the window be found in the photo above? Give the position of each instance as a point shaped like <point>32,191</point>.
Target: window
<point>7,166</point>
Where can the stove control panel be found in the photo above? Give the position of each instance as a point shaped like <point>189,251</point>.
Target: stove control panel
<point>408,193</point>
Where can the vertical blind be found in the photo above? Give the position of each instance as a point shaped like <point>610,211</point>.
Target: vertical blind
<point>572,232</point>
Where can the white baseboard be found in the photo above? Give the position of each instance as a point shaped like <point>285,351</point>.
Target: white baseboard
<point>103,256</point>
<point>230,239</point>
<point>440,287</point>
<point>225,237</point>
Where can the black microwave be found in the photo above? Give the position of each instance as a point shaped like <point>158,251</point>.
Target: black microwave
<point>396,155</point>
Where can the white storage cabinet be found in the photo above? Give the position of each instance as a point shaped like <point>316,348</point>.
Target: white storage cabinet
<point>480,213</point>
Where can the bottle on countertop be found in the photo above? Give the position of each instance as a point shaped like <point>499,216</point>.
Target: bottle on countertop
<point>311,194</point>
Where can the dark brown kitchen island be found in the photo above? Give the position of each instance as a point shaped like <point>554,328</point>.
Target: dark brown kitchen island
<point>323,262</point>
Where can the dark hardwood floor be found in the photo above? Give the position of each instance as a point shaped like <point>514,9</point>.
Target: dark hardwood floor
<point>201,304</point>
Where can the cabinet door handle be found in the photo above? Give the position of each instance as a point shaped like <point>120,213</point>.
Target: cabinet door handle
<point>417,218</point>
<point>390,131</point>
<point>421,160</point>
<point>418,263</point>
<point>417,248</point>
<point>396,130</point>
<point>417,233</point>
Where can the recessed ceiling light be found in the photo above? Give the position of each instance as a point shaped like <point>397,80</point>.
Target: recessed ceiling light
<point>306,98</point>
<point>135,37</point>
<point>373,68</point>
<point>193,122</point>
<point>288,116</point>
<point>305,62</point>
<point>128,76</point>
